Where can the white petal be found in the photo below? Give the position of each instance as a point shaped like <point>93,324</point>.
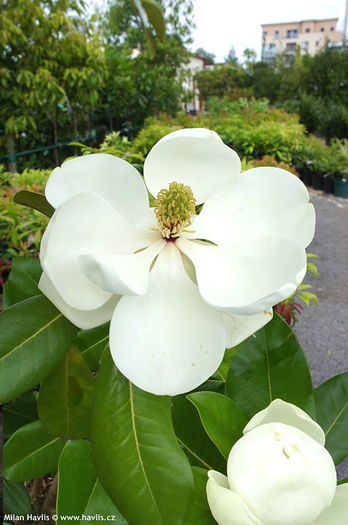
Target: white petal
<point>247,277</point>
<point>86,223</point>
<point>195,157</point>
<point>225,505</point>
<point>84,319</point>
<point>284,476</point>
<point>337,513</point>
<point>124,274</point>
<point>261,202</point>
<point>168,341</point>
<point>280,411</point>
<point>113,178</point>
<point>239,327</point>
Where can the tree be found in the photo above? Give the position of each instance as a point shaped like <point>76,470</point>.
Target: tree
<point>249,57</point>
<point>142,85</point>
<point>232,56</point>
<point>220,81</point>
<point>206,55</point>
<point>50,59</point>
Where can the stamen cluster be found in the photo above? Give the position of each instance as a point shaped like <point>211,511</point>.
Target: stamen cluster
<point>174,209</point>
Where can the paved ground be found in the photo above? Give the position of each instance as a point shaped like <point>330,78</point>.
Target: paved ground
<point>323,330</point>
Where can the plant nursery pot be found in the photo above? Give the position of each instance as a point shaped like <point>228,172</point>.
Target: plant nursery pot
<point>307,177</point>
<point>328,183</point>
<point>341,187</point>
<point>317,181</point>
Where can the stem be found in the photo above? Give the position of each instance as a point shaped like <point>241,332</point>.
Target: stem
<point>12,165</point>
<point>49,504</point>
<point>35,495</point>
<point>55,136</point>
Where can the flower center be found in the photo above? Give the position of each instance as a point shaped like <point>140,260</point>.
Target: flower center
<point>174,209</point>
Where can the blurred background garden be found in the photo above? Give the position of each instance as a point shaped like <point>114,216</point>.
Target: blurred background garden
<point>116,76</point>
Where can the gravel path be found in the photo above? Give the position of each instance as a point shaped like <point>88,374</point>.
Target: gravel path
<point>322,330</point>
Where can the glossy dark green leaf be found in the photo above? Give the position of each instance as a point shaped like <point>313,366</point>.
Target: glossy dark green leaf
<point>15,498</point>
<point>270,364</point>
<point>18,412</point>
<point>34,200</point>
<point>199,512</point>
<point>79,490</point>
<point>155,16</point>
<point>194,440</point>
<point>91,344</point>
<point>31,453</point>
<point>221,418</point>
<point>226,362</point>
<point>331,400</point>
<point>22,282</point>
<point>137,457</point>
<point>214,384</point>
<point>66,398</point>
<point>34,336</point>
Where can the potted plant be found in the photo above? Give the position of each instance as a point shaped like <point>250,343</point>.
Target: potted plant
<point>329,182</point>
<point>341,185</point>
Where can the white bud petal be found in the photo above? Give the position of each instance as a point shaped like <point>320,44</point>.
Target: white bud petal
<point>284,476</point>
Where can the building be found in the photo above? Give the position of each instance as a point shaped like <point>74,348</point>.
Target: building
<point>309,35</point>
<point>193,102</point>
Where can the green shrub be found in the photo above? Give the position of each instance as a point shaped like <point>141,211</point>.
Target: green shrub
<point>268,160</point>
<point>327,159</point>
<point>151,134</point>
<point>21,227</point>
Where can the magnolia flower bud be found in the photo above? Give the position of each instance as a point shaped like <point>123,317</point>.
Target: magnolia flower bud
<point>276,467</point>
<point>278,474</point>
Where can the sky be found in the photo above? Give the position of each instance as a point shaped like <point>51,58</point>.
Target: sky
<point>223,23</point>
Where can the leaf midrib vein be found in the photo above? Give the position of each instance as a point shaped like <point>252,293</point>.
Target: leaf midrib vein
<point>336,419</point>
<point>32,336</point>
<point>32,453</point>
<point>137,442</point>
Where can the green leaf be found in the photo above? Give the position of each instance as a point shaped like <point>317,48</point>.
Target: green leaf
<point>79,490</point>
<point>331,400</point>
<point>194,440</point>
<point>31,453</point>
<point>22,282</point>
<point>150,42</point>
<point>15,499</point>
<point>270,364</point>
<point>221,418</point>
<point>37,201</point>
<point>226,362</point>
<point>34,336</point>
<point>200,513</point>
<point>343,481</point>
<point>66,398</point>
<point>136,454</point>
<point>156,17</point>
<point>91,344</point>
<point>17,413</point>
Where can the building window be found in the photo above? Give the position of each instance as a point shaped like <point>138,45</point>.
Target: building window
<point>291,46</point>
<point>305,46</point>
<point>265,33</point>
<point>317,43</point>
<point>276,34</point>
<point>322,30</point>
<point>332,29</point>
<point>291,33</point>
<point>308,30</point>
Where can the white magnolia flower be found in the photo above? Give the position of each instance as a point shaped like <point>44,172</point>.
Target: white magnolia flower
<point>279,473</point>
<point>178,287</point>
